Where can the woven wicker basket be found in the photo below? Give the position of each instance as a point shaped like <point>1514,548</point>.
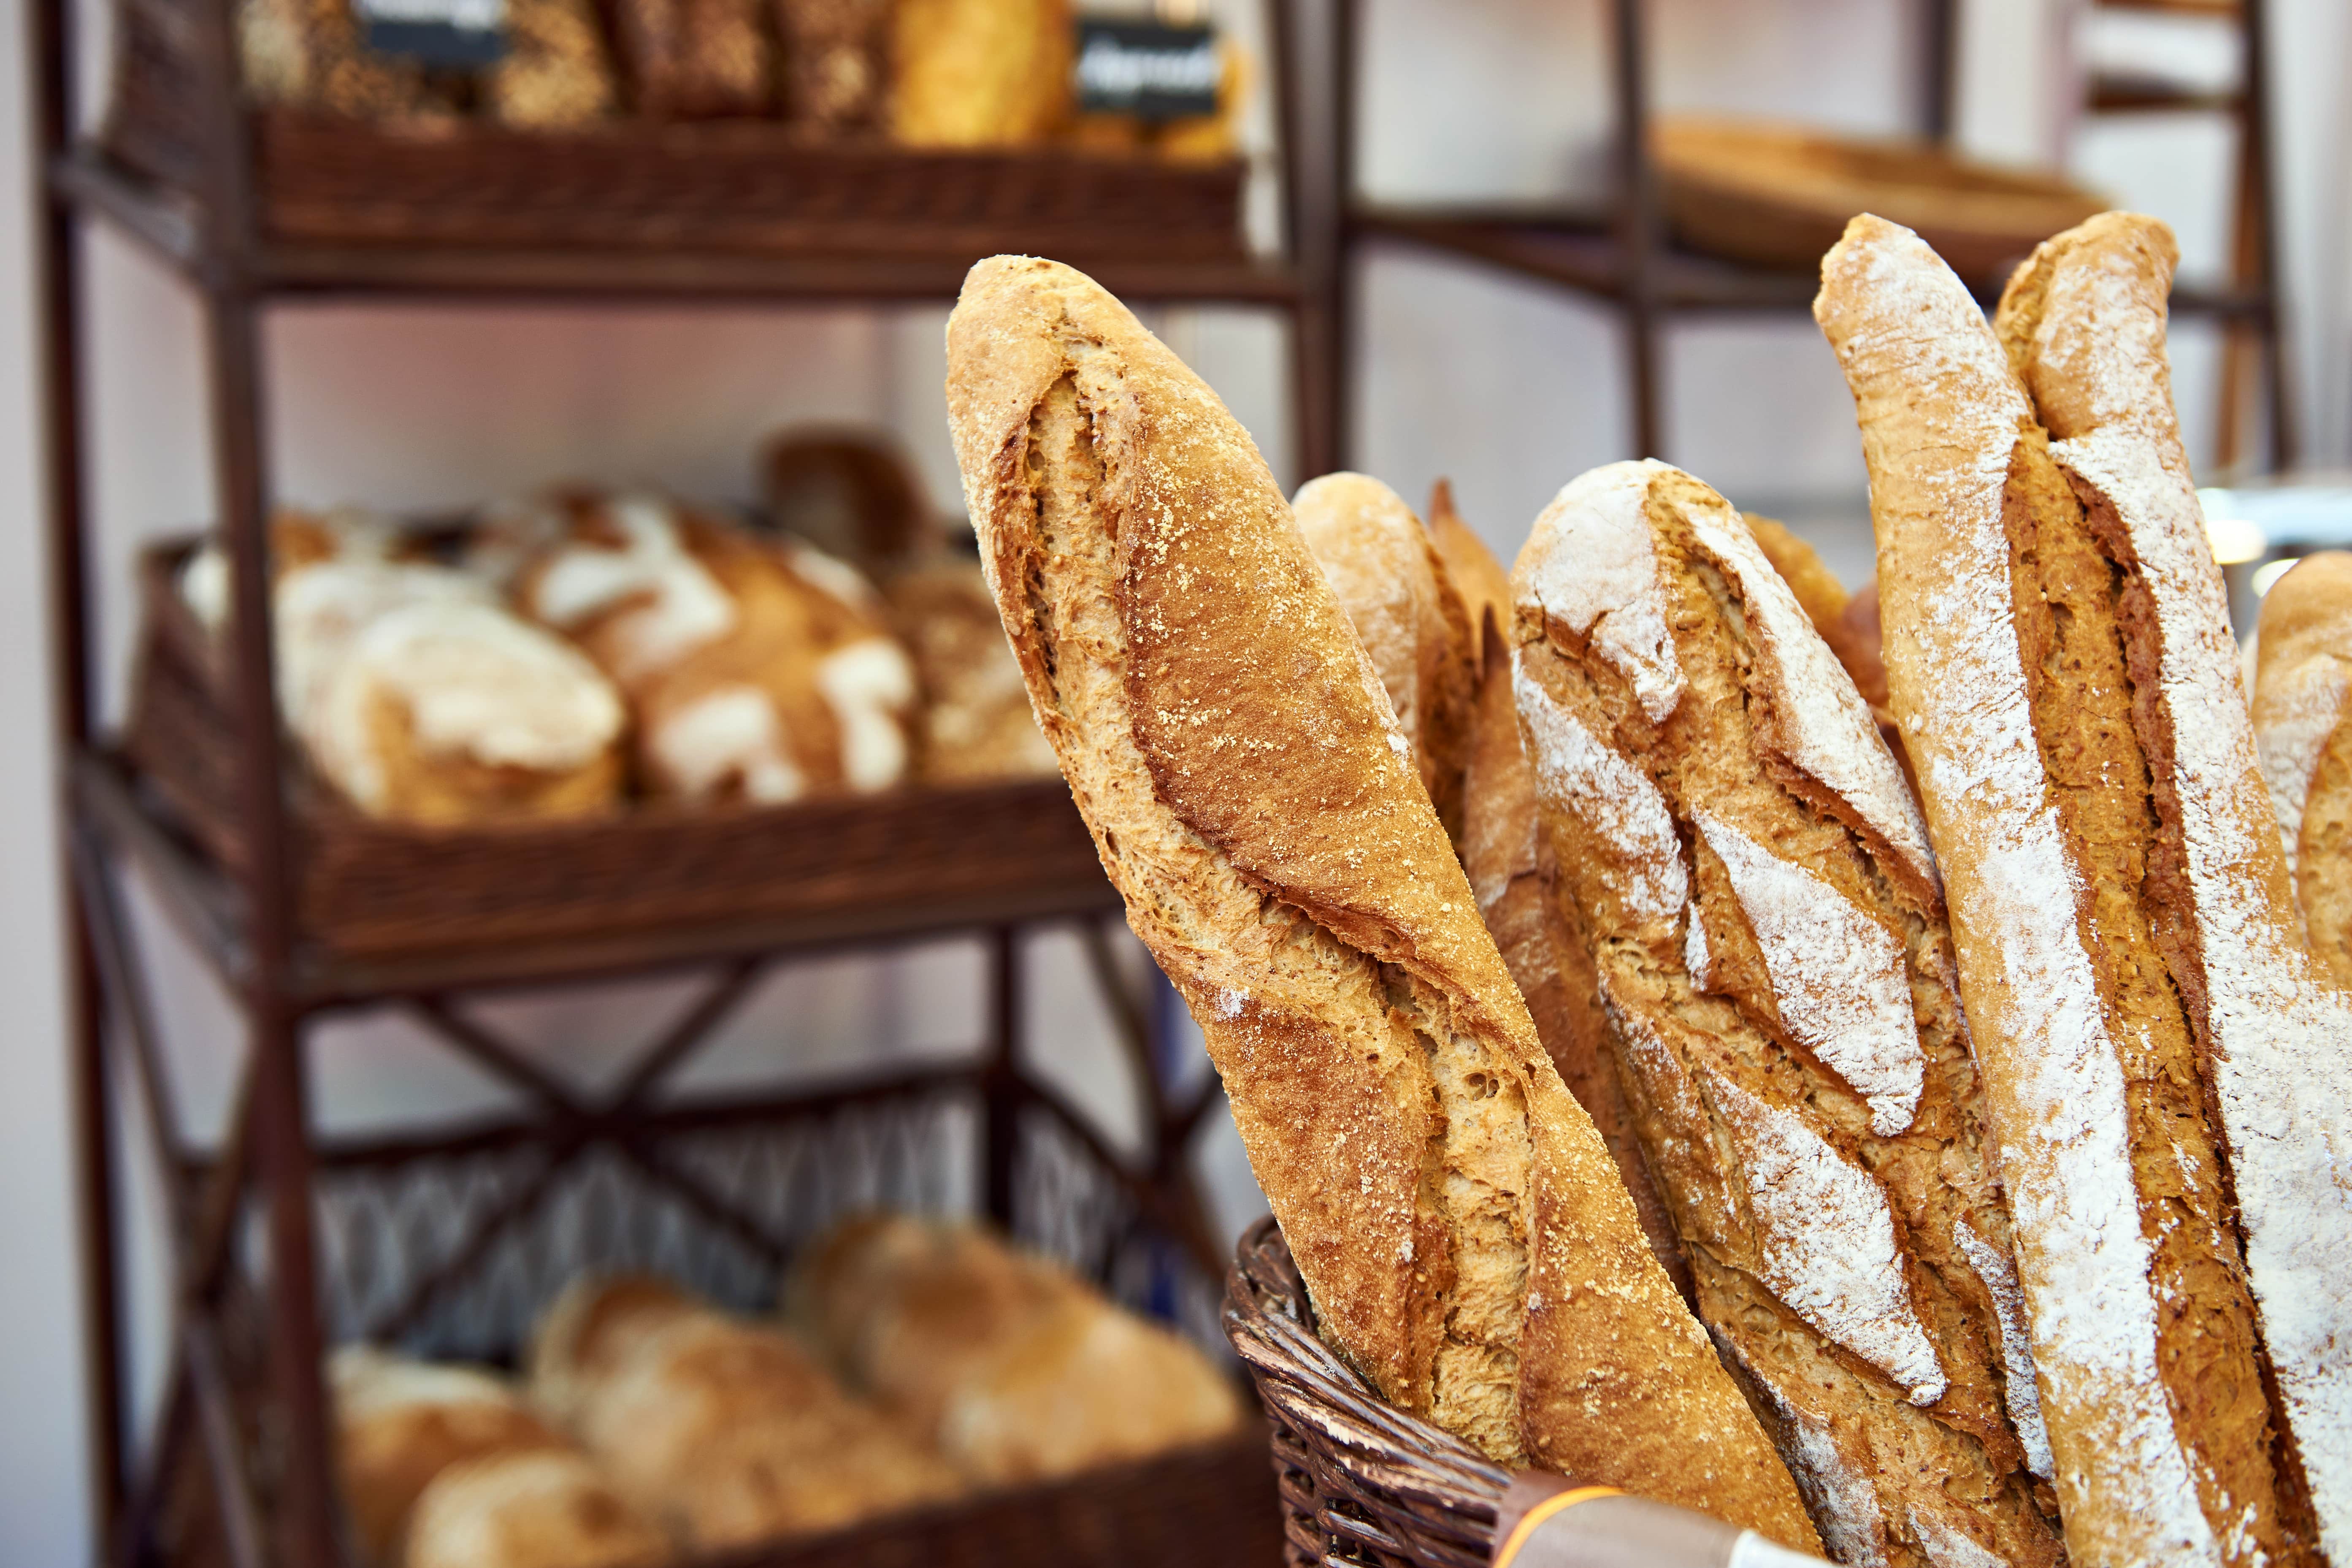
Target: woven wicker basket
<point>374,888</point>
<point>1362,1482</point>
<point>749,185</point>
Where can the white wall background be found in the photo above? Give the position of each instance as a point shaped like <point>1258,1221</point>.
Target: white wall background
<point>1508,389</point>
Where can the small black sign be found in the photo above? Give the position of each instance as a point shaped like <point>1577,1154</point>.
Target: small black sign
<point>454,33</point>
<point>1148,69</point>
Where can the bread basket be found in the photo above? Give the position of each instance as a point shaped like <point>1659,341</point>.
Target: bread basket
<point>1361,1481</point>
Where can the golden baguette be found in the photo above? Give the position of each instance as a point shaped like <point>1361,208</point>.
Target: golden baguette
<point>1457,1220</point>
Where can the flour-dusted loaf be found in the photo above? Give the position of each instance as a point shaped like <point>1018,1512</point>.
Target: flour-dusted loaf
<point>1385,568</point>
<point>1508,862</point>
<point>2084,327</point>
<point>1763,913</point>
<point>593,1329</point>
<point>2059,663</point>
<point>758,669</point>
<point>1458,1222</point>
<point>2303,672</point>
<point>1013,1368</point>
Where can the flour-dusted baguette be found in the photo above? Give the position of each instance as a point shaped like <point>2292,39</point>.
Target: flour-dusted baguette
<point>1509,864</point>
<point>1457,1221</point>
<point>2302,674</point>
<point>1385,568</point>
<point>2042,694</point>
<point>2084,323</point>
<point>1764,916</point>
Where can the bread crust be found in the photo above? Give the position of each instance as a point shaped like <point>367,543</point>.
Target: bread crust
<point>1386,571</point>
<point>2303,671</point>
<point>2083,322</point>
<point>1229,746</point>
<point>1781,980</point>
<point>2007,671</point>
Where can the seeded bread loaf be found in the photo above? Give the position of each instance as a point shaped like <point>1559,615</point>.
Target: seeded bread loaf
<point>1509,864</point>
<point>1765,922</point>
<point>2061,667</point>
<point>1385,570</point>
<point>1458,1222</point>
<point>2303,671</point>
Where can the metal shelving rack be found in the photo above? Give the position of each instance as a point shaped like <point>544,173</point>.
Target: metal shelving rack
<point>245,921</point>
<point>1621,254</point>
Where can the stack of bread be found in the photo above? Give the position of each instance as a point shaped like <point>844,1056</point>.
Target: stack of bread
<point>588,644</point>
<point>924,73</point>
<point>1989,1127</point>
<point>918,1361</point>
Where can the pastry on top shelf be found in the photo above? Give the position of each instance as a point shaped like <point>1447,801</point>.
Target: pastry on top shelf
<point>835,54</point>
<point>694,59</point>
<point>556,73</point>
<point>979,73</point>
<point>758,670</point>
<point>1015,1368</point>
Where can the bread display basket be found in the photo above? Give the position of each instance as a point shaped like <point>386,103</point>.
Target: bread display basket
<point>1361,1481</point>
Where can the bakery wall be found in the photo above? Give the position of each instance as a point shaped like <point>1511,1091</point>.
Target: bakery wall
<point>1509,390</point>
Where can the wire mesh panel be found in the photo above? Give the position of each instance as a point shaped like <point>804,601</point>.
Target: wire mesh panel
<point>454,1253</point>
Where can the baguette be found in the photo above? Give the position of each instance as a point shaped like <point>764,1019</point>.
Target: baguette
<point>1764,917</point>
<point>1509,865</point>
<point>1386,572</point>
<point>2059,663</point>
<point>2084,323</point>
<point>1455,1215</point>
<point>2303,671</point>
<point>1472,569</point>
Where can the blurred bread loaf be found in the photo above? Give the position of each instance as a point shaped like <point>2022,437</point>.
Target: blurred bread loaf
<point>2059,659</point>
<point>976,721</point>
<point>1390,582</point>
<point>2303,671</point>
<point>979,73</point>
<point>530,1508</point>
<point>1457,1220</point>
<point>556,73</point>
<point>836,55</point>
<point>694,59</point>
<point>400,1423</point>
<point>757,670</point>
<point>1016,1369</point>
<point>1763,913</point>
<point>732,1433</point>
<point>594,1326</point>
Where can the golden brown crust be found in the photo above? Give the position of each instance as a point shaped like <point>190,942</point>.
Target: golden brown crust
<point>1392,582</point>
<point>2015,658</point>
<point>1475,575</point>
<point>1541,938</point>
<point>1782,993</point>
<point>2303,671</point>
<point>1226,742</point>
<point>536,1509</point>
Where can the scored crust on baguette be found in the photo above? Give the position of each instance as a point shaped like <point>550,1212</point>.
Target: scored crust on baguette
<point>2006,671</point>
<point>2084,323</point>
<point>1508,862</point>
<point>1770,945</point>
<point>2302,674</point>
<point>1456,1219</point>
<point>1385,568</point>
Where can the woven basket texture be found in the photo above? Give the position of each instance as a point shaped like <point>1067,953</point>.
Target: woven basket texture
<point>1361,1482</point>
